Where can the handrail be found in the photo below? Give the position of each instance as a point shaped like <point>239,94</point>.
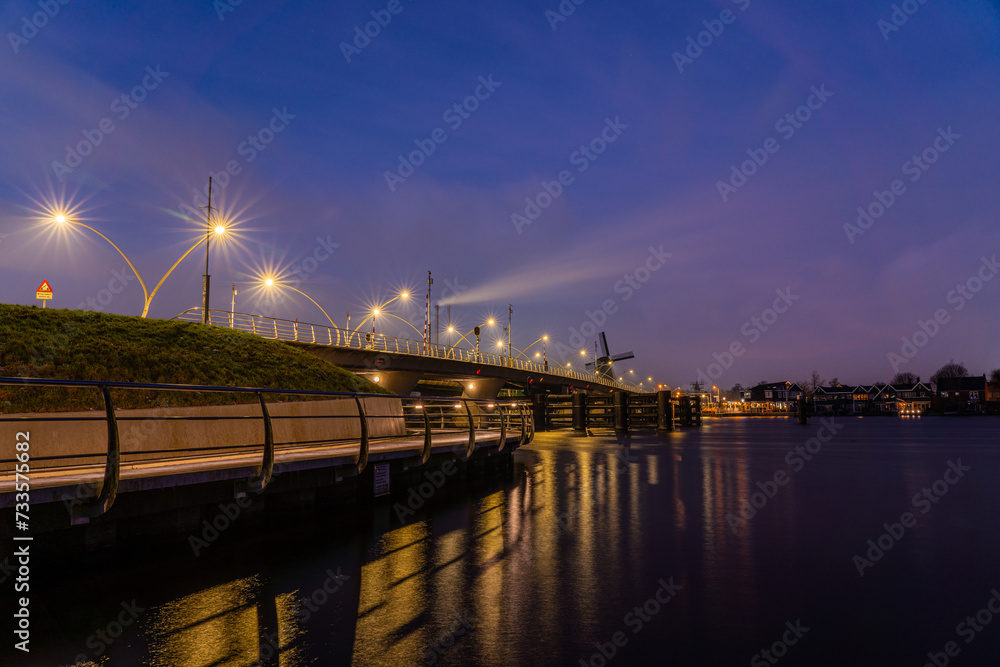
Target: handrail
<point>289,330</point>
<point>112,469</point>
<point>503,430</point>
<point>472,433</point>
<point>263,478</point>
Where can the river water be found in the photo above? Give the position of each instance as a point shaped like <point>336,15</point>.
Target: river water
<point>743,542</point>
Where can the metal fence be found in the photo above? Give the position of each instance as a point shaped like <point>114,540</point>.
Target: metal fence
<point>420,424</point>
<point>319,334</point>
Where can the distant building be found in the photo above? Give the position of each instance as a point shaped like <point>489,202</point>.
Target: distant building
<point>771,397</point>
<point>839,400</point>
<point>966,394</point>
<point>902,399</point>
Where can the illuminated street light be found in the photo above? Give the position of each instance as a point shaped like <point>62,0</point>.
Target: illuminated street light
<point>220,231</point>
<point>63,219</point>
<point>541,339</point>
<point>377,310</point>
<point>272,283</point>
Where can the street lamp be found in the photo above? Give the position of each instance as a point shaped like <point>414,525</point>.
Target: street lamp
<point>220,231</point>
<point>543,338</point>
<point>205,289</point>
<point>272,283</point>
<point>62,219</point>
<point>377,310</point>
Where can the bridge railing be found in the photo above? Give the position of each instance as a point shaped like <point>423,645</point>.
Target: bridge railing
<point>226,435</point>
<point>319,334</point>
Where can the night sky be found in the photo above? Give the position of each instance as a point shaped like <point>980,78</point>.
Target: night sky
<point>674,171</point>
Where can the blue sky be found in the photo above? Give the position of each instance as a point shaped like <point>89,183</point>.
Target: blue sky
<point>321,180</point>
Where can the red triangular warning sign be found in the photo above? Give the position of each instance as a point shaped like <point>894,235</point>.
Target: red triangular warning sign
<point>44,287</point>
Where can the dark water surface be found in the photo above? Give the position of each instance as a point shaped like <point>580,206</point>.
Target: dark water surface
<point>568,559</point>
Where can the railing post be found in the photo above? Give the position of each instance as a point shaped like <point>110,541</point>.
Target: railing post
<point>263,478</point>
<point>524,425</point>
<point>425,452</point>
<point>363,451</point>
<point>275,323</point>
<point>112,469</point>
<point>472,433</point>
<point>503,429</point>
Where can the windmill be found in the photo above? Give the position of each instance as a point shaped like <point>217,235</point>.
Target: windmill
<point>605,362</point>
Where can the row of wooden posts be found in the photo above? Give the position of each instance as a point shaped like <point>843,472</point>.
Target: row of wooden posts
<point>620,411</point>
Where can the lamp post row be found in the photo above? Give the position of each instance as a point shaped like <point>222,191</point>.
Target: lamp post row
<point>221,230</point>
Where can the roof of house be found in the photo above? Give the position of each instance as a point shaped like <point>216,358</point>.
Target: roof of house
<point>974,383</point>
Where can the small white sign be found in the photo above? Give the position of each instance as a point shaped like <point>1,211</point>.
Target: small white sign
<point>381,479</point>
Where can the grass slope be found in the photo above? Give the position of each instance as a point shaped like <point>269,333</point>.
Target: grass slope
<point>85,345</point>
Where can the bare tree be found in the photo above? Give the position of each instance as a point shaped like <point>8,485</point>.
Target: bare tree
<point>995,375</point>
<point>812,384</point>
<point>950,370</point>
<point>904,377</point>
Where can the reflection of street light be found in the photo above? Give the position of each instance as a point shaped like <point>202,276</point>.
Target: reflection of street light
<point>62,219</point>
<point>271,282</point>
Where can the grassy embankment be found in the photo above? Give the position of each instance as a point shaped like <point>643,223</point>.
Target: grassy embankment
<point>83,345</point>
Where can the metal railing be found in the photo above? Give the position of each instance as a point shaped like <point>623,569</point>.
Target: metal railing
<point>421,418</point>
<point>320,334</point>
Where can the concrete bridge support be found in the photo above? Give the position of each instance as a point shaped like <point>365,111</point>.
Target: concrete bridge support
<point>664,413</point>
<point>580,412</point>
<point>621,412</point>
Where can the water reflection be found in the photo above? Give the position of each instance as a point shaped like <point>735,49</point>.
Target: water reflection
<point>543,568</point>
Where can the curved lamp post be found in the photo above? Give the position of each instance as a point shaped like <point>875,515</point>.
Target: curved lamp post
<point>271,282</point>
<point>61,219</point>
<point>220,230</point>
<point>377,310</point>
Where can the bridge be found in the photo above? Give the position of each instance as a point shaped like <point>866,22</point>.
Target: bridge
<point>399,364</point>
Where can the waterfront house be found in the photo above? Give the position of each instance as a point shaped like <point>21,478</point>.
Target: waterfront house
<point>965,394</point>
